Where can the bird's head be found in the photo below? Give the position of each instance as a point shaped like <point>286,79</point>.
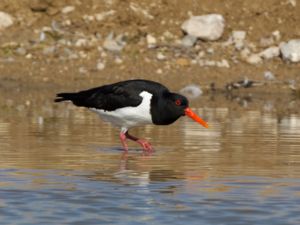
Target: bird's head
<point>181,104</point>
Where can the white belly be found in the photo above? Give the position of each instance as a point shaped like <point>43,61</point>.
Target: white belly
<point>128,117</point>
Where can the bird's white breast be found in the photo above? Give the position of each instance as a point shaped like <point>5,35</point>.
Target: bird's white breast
<point>128,117</point>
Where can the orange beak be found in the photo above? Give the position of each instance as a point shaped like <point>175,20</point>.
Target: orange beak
<point>191,114</point>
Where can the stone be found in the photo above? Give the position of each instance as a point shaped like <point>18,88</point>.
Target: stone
<point>270,52</point>
<point>100,66</point>
<point>290,51</point>
<point>160,56</point>
<point>188,41</point>
<point>223,63</point>
<point>183,62</point>
<point>114,44</point>
<point>254,59</point>
<point>268,75</point>
<point>191,91</point>
<point>208,27</point>
<point>238,39</point>
<point>68,9</point>
<point>151,41</point>
<point>104,15</point>
<point>6,20</point>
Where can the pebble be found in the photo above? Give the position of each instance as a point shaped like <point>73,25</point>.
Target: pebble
<point>21,51</point>
<point>268,75</point>
<point>191,91</point>
<point>6,20</point>
<point>290,51</point>
<point>183,62</point>
<point>159,71</point>
<point>223,63</point>
<point>160,56</point>
<point>114,44</point>
<point>68,9</point>
<point>118,60</point>
<point>81,42</point>
<point>100,66</point>
<point>254,59</point>
<point>270,52</point>
<point>49,50</point>
<point>188,41</point>
<point>104,15</point>
<point>208,27</point>
<point>151,41</point>
<point>238,39</point>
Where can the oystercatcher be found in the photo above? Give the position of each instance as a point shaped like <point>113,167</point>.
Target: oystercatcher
<point>132,103</point>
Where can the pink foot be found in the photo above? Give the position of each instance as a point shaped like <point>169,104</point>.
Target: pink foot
<point>145,145</point>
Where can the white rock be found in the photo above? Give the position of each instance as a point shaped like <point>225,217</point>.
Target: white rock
<point>276,34</point>
<point>254,59</point>
<point>114,45</point>
<point>104,15</point>
<point>238,38</point>
<point>207,27</point>
<point>151,41</point>
<point>268,75</point>
<point>81,42</point>
<point>270,52</point>
<point>100,66</point>
<point>6,20</point>
<point>160,56</point>
<point>291,50</point>
<point>188,41</point>
<point>223,63</point>
<point>191,91</point>
<point>68,9</point>
<point>159,71</point>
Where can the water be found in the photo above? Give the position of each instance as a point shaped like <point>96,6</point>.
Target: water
<point>68,168</point>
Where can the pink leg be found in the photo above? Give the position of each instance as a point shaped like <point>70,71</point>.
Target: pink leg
<point>145,144</point>
<point>123,141</point>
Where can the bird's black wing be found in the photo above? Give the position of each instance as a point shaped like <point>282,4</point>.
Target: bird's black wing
<point>113,96</point>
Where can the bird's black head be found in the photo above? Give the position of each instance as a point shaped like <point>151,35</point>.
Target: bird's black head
<point>168,108</point>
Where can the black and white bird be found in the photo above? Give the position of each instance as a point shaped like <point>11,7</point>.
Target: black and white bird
<point>132,103</point>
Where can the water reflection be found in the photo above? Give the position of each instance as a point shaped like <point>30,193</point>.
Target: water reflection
<point>65,165</point>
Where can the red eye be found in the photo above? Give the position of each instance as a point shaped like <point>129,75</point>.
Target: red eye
<point>178,102</point>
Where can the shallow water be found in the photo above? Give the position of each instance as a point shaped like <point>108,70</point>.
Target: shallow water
<point>69,168</point>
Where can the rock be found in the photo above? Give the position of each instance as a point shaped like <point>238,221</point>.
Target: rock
<point>270,52</point>
<point>268,75</point>
<point>238,38</point>
<point>188,41</point>
<point>21,51</point>
<point>207,27</point>
<point>49,50</point>
<point>191,91</point>
<point>68,9</point>
<point>183,62</point>
<point>104,15</point>
<point>6,20</point>
<point>266,41</point>
<point>159,71</point>
<point>100,66</point>
<point>38,6</point>
<point>254,59</point>
<point>82,42</point>
<point>223,63</point>
<point>290,51</point>
<point>151,41</point>
<point>160,56</point>
<point>114,45</point>
<point>276,34</point>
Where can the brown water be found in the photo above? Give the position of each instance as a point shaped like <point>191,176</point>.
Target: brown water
<point>68,168</point>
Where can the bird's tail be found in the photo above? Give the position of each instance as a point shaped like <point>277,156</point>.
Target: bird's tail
<point>65,97</point>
